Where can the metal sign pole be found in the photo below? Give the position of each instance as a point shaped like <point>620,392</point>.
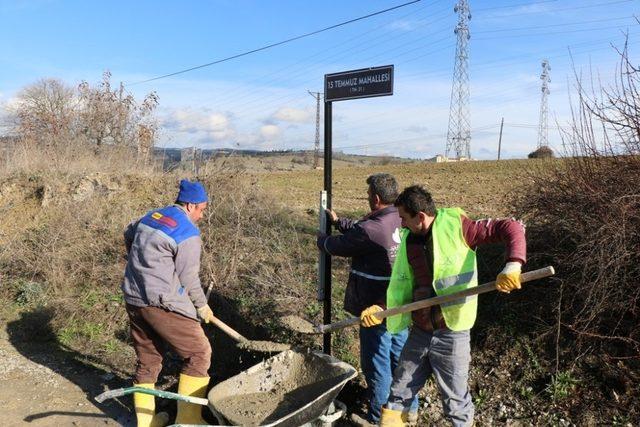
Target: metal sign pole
<point>354,84</point>
<point>326,339</point>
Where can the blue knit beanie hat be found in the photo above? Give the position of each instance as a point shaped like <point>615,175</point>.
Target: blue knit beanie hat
<point>192,192</point>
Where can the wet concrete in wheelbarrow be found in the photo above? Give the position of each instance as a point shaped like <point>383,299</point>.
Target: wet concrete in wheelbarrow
<point>263,346</point>
<point>274,389</point>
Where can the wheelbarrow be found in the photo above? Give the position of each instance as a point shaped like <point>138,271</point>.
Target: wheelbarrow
<point>289,389</point>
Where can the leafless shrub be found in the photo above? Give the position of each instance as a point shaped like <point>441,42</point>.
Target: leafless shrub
<point>252,251</point>
<point>60,127</point>
<point>587,215</point>
<point>542,153</point>
<point>112,116</point>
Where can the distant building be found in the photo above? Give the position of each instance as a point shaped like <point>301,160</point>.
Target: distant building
<point>446,159</point>
<point>439,158</point>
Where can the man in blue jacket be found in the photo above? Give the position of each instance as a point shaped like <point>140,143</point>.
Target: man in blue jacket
<point>371,243</point>
<point>165,301</point>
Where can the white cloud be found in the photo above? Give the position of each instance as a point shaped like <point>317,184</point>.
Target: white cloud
<point>270,133</point>
<point>509,13</point>
<point>208,125</point>
<point>294,115</point>
<point>402,25</point>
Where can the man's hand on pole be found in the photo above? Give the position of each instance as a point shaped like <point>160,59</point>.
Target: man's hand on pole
<point>509,277</point>
<point>205,314</point>
<point>367,318</point>
<point>333,217</point>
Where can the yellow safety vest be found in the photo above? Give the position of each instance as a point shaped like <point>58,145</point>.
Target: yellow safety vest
<point>454,269</point>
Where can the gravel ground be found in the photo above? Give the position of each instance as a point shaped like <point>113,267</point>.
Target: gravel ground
<point>39,387</point>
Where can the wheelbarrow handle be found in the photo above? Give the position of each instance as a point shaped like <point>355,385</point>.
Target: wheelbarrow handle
<point>484,288</point>
<point>119,392</point>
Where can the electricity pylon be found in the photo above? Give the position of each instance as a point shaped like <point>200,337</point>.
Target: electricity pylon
<point>459,131</point>
<point>543,125</point>
<point>316,154</point>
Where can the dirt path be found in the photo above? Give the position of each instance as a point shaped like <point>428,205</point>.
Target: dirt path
<point>39,387</point>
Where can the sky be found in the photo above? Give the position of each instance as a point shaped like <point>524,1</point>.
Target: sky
<point>262,101</point>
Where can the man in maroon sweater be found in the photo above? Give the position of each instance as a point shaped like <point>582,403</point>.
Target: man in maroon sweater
<point>439,256</point>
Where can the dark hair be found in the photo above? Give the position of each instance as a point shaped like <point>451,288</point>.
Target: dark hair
<point>384,186</point>
<point>183,204</point>
<point>416,199</point>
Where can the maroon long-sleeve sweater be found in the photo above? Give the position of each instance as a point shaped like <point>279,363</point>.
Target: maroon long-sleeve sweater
<point>476,233</point>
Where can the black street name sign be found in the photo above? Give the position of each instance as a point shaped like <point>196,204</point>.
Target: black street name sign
<point>364,83</point>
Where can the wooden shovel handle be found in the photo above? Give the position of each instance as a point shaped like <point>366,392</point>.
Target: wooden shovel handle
<point>484,288</point>
<point>223,326</point>
<point>229,330</point>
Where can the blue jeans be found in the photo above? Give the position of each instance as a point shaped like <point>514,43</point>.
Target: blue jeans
<point>379,356</point>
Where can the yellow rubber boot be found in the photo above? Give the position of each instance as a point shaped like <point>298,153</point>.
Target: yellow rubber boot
<point>190,413</point>
<point>145,405</point>
<point>391,418</point>
<point>411,418</point>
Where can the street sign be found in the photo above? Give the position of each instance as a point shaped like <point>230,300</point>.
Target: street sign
<point>363,83</point>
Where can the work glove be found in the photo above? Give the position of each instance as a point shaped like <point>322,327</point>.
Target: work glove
<point>509,277</point>
<point>205,314</point>
<point>367,319</point>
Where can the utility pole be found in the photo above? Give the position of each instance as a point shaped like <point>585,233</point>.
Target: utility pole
<point>543,126</point>
<point>500,138</point>
<point>316,154</point>
<point>459,131</point>
<point>195,164</point>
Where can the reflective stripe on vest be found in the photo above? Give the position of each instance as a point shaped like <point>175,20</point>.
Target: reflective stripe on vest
<point>458,279</point>
<point>370,276</point>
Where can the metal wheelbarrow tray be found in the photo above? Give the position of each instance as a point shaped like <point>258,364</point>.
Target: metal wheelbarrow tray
<point>289,389</point>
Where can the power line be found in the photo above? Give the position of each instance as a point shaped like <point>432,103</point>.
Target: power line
<point>276,44</point>
<point>308,82</point>
<point>552,25</point>
<point>616,27</point>
<point>530,12</point>
<point>290,73</point>
<point>516,5</point>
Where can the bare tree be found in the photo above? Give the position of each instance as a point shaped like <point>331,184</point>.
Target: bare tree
<point>113,117</point>
<point>45,112</point>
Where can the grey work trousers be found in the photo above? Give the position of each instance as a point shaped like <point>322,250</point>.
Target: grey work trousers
<point>445,354</point>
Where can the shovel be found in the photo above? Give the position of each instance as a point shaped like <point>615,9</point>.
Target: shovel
<point>306,327</point>
<point>244,343</point>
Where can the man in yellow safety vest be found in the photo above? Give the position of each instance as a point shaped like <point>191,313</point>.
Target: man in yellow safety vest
<point>437,257</point>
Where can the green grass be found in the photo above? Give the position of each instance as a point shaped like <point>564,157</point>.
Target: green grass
<point>80,329</point>
<point>111,346</point>
<point>28,293</point>
<point>562,385</point>
<point>480,398</point>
